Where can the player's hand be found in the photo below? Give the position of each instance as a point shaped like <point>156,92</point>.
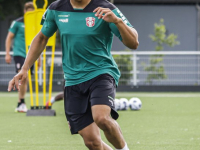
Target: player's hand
<point>106,14</point>
<point>8,58</point>
<point>18,80</point>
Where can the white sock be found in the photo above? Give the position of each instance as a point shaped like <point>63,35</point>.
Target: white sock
<point>125,147</point>
<point>52,100</point>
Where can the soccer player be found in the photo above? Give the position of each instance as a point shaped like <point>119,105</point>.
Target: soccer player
<point>16,36</point>
<point>91,74</point>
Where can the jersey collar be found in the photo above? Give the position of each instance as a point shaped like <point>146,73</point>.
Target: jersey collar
<point>83,10</point>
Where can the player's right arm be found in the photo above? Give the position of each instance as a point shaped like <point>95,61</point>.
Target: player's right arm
<point>8,45</point>
<point>37,46</point>
<point>9,39</point>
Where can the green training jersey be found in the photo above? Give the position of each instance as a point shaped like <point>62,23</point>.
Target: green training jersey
<point>86,40</point>
<point>17,28</point>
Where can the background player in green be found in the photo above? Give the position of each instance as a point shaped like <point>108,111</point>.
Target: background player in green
<point>17,38</point>
<point>91,74</point>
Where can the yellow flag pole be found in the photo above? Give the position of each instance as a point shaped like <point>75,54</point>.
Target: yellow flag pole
<point>44,76</point>
<point>30,83</point>
<point>51,73</point>
<point>30,88</point>
<point>36,84</point>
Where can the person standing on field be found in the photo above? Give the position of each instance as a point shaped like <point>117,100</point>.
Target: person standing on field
<point>17,38</point>
<point>90,72</point>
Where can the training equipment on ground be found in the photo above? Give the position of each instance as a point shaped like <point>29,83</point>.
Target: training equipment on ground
<point>123,104</point>
<point>135,103</point>
<point>117,104</point>
<point>32,21</point>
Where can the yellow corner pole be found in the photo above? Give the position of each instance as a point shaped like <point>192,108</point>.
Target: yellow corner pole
<point>44,76</point>
<point>30,87</point>
<point>36,83</point>
<point>51,73</point>
<point>44,65</point>
<point>32,27</point>
<point>30,83</point>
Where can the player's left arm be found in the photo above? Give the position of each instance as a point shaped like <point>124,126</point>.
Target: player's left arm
<point>129,35</point>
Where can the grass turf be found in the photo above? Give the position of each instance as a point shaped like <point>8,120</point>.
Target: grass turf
<point>167,121</point>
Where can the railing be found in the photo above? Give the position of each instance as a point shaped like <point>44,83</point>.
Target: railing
<point>137,68</point>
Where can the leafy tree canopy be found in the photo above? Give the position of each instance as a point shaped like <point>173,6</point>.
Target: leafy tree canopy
<point>156,67</point>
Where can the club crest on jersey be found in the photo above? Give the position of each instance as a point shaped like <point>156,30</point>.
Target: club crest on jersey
<point>90,21</point>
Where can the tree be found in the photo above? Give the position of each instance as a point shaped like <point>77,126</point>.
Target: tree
<point>156,68</point>
<point>16,7</point>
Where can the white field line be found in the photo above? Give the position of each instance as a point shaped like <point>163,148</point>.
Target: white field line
<point>122,95</point>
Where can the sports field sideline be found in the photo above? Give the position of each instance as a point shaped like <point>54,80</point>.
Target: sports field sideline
<point>167,121</point>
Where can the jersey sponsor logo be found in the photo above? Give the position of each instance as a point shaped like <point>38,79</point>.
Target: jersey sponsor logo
<point>90,21</point>
<point>64,20</point>
<point>23,26</point>
<point>63,15</point>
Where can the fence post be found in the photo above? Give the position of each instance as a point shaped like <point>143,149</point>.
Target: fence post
<point>134,69</point>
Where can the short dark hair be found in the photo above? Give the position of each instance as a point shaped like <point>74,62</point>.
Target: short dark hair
<point>28,5</point>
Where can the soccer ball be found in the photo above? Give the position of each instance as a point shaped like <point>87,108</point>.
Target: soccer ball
<point>117,104</point>
<point>123,104</point>
<point>135,103</point>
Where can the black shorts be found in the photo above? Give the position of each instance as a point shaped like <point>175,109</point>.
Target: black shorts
<point>79,98</point>
<point>19,61</point>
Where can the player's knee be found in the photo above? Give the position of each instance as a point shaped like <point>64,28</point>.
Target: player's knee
<point>93,144</point>
<point>103,122</point>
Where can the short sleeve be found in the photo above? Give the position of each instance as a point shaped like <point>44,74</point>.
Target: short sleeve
<point>13,27</point>
<point>48,22</point>
<point>114,28</point>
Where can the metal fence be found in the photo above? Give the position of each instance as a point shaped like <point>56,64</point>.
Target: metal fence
<point>163,68</point>
<point>137,68</point>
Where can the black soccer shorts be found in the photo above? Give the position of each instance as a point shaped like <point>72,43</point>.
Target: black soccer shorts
<point>19,61</point>
<point>78,100</point>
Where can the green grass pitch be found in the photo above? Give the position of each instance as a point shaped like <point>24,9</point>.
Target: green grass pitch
<point>167,121</point>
